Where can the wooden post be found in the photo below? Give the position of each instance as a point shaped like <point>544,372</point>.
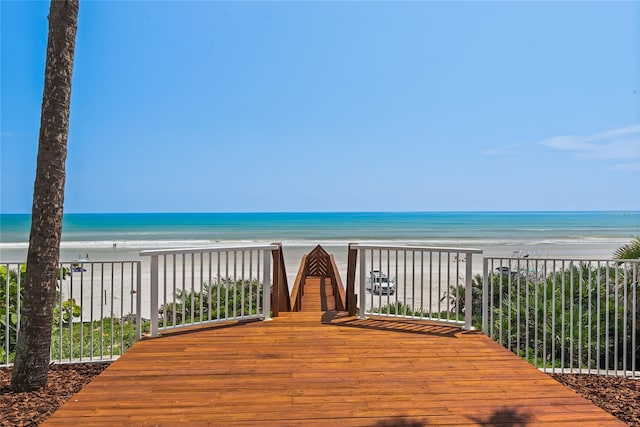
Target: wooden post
<point>285,298</point>
<point>275,294</point>
<point>352,258</point>
<point>280,299</point>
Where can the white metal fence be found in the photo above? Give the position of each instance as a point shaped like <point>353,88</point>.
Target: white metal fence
<point>209,284</point>
<point>565,315</point>
<point>96,316</point>
<point>562,315</point>
<point>416,282</point>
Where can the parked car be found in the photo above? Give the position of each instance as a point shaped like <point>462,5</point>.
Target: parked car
<point>506,271</point>
<point>378,283</point>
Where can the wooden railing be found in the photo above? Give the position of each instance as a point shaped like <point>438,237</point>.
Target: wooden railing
<point>298,286</point>
<point>338,289</point>
<point>318,263</point>
<point>280,300</point>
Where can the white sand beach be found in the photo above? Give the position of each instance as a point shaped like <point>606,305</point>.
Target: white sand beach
<point>293,254</point>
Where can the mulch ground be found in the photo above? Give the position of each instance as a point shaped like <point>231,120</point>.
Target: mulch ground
<point>31,408</point>
<point>618,396</point>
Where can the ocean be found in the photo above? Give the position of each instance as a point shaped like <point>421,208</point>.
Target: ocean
<point>538,232</point>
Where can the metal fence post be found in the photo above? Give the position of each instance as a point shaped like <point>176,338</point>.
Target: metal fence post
<point>266,293</point>
<point>485,296</point>
<point>6,322</point>
<point>468,294</point>
<point>139,301</point>
<point>154,295</point>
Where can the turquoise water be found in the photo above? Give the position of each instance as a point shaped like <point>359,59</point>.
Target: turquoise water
<point>159,229</point>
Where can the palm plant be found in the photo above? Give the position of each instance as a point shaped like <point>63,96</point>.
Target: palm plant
<point>573,318</point>
<point>34,344</point>
<point>226,299</point>
<point>629,251</point>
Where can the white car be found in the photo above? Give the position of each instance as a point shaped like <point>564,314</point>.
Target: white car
<point>378,283</point>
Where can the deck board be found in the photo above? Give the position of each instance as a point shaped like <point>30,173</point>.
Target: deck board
<point>318,295</point>
<point>323,369</point>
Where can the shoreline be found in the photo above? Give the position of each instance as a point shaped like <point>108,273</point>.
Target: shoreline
<point>577,247</point>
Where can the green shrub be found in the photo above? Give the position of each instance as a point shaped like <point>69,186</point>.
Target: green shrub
<point>226,299</point>
<point>9,313</point>
<point>70,339</point>
<point>98,339</point>
<point>405,310</point>
<point>575,318</point>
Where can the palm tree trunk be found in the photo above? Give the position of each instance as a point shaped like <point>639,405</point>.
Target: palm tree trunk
<point>34,340</point>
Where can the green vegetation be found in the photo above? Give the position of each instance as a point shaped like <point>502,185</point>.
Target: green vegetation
<point>578,318</point>
<point>112,336</point>
<point>629,251</point>
<point>581,317</point>
<point>225,299</point>
<point>70,339</point>
<point>9,312</point>
<point>456,301</point>
<point>104,338</point>
<point>405,310</point>
<point>457,298</point>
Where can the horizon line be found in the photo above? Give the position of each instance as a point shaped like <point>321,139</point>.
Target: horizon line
<point>629,211</point>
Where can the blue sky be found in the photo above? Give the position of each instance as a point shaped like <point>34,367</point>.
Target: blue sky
<point>333,106</point>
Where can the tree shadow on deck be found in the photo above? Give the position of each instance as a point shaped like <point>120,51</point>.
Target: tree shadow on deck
<point>505,417</point>
<point>397,325</point>
<point>508,417</point>
<point>399,422</point>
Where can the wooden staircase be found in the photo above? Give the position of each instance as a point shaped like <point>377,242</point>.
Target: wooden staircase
<point>318,286</point>
<point>318,295</point>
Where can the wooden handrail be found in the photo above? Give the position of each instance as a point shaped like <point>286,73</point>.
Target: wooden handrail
<point>280,300</point>
<point>338,288</point>
<point>298,286</point>
<point>352,258</point>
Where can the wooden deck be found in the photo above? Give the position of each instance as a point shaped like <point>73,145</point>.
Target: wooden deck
<point>314,368</point>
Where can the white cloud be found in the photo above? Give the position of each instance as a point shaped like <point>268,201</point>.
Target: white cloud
<point>616,144</point>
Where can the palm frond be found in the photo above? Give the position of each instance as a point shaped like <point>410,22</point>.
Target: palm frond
<point>629,251</point>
